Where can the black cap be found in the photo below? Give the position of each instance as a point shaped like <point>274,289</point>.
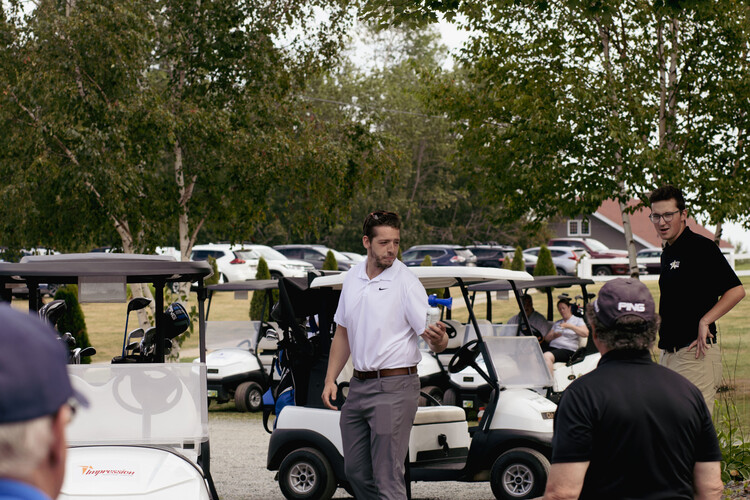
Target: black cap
<point>34,378</point>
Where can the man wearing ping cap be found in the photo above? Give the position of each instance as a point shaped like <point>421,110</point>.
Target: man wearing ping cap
<point>632,428</point>
<point>36,404</point>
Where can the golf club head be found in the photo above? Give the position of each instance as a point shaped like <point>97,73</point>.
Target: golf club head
<point>137,303</point>
<point>53,311</point>
<point>134,334</point>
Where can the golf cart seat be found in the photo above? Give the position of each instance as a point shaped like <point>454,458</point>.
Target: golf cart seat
<point>485,327</point>
<point>439,414</point>
<point>455,341</point>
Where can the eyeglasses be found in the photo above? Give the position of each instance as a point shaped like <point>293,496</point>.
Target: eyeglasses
<point>667,216</point>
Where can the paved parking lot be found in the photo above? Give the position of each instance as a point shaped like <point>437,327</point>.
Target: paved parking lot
<point>238,464</point>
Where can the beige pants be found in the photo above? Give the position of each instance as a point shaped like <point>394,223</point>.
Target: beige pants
<point>705,372</point>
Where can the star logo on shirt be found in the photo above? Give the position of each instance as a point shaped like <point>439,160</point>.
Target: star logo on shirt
<point>675,264</point>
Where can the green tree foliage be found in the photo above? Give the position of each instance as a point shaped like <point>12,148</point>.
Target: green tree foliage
<point>420,179</point>
<point>145,120</point>
<point>518,264</point>
<point>73,320</point>
<point>544,264</point>
<point>330,263</point>
<point>561,107</point>
<point>260,309</point>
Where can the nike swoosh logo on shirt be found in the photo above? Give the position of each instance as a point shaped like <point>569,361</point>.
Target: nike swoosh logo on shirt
<point>382,289</point>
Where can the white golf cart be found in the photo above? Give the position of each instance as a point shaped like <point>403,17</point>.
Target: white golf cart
<point>584,359</point>
<point>145,433</point>
<point>509,447</point>
<point>241,353</point>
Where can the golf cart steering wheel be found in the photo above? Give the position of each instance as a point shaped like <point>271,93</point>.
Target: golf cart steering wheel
<point>450,330</point>
<point>534,331</point>
<point>155,390</point>
<point>465,356</point>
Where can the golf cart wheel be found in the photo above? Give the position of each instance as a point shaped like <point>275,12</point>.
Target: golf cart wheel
<point>306,474</point>
<point>519,473</point>
<point>433,395</point>
<point>248,396</point>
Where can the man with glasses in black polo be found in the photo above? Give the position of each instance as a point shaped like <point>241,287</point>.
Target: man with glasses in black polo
<point>381,313</point>
<point>698,286</point>
<point>36,404</point>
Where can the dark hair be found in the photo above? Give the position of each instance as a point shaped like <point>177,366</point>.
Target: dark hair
<point>666,193</point>
<point>380,218</point>
<point>628,332</point>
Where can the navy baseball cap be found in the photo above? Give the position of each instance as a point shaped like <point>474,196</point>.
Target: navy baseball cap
<point>34,378</point>
<point>624,297</point>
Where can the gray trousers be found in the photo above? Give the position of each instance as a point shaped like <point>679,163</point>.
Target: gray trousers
<point>376,422</point>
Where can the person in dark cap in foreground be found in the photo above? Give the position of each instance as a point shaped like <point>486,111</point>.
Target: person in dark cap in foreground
<point>632,428</point>
<point>36,404</point>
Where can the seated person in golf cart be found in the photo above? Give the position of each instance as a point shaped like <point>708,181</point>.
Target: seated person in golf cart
<point>563,337</point>
<point>536,320</point>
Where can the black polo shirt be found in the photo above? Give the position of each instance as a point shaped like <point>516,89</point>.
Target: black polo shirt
<point>694,274</point>
<point>641,426</point>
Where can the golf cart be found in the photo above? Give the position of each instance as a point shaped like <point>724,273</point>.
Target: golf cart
<point>144,434</point>
<point>510,446</point>
<point>240,353</point>
<point>585,358</point>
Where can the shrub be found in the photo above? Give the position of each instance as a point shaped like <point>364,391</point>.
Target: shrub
<point>518,264</point>
<point>73,320</point>
<point>440,292</point>
<point>507,261</point>
<point>544,264</point>
<point>330,263</point>
<point>214,278</point>
<point>260,297</point>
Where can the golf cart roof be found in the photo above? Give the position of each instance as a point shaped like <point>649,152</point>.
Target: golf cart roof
<point>537,282</point>
<point>250,285</point>
<point>440,276</point>
<point>66,268</point>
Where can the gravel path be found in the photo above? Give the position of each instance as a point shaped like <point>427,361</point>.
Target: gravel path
<point>239,446</point>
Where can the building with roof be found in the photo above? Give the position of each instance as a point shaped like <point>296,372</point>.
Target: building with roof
<point>605,225</point>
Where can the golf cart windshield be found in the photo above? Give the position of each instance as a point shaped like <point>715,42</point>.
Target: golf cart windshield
<point>226,334</point>
<point>149,404</point>
<point>518,362</point>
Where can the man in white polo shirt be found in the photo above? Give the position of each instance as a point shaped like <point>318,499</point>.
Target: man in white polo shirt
<point>382,310</point>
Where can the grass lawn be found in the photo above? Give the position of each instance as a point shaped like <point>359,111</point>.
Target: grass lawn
<point>106,323</point>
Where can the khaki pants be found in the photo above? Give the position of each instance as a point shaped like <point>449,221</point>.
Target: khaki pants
<point>705,372</point>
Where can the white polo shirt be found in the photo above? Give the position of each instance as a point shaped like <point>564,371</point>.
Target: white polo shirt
<point>383,317</point>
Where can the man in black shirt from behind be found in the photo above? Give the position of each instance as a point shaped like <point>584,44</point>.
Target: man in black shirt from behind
<point>632,429</point>
<point>698,286</point>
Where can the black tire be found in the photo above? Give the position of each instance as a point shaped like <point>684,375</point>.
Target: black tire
<point>519,473</point>
<point>306,474</point>
<point>275,275</point>
<point>561,271</point>
<point>602,271</point>
<point>248,396</point>
<point>435,392</point>
<point>450,397</point>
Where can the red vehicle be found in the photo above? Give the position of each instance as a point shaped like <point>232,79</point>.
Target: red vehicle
<point>596,250</point>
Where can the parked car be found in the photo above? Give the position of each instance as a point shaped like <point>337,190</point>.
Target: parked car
<point>441,255</point>
<point>355,257</point>
<point>651,267</point>
<point>565,258</point>
<point>278,264</point>
<point>491,255</point>
<point>314,254</point>
<point>596,250</point>
<point>231,261</point>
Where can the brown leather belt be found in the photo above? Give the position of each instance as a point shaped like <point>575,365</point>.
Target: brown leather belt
<point>386,372</point>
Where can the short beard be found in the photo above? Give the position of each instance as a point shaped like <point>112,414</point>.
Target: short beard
<point>380,265</point>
